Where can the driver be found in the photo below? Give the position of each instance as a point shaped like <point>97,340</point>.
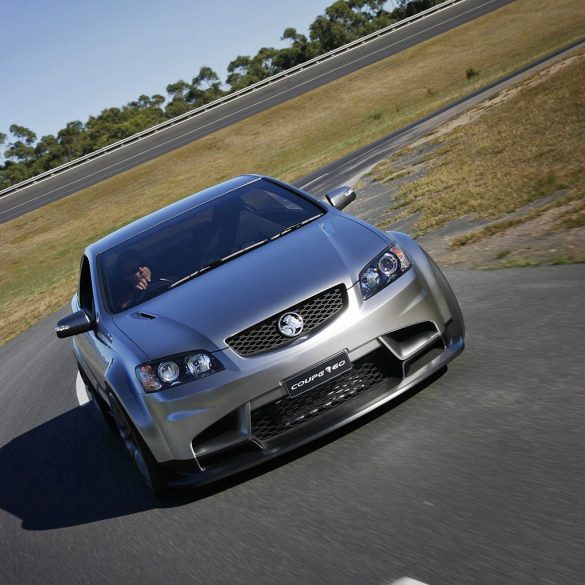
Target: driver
<point>133,269</point>
<point>132,276</point>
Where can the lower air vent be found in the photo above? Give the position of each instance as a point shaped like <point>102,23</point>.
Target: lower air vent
<point>286,413</point>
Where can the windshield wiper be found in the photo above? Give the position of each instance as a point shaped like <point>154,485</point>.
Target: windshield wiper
<point>295,226</point>
<point>244,250</point>
<point>192,275</point>
<point>218,262</point>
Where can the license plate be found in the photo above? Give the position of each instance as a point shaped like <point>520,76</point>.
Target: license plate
<point>317,375</point>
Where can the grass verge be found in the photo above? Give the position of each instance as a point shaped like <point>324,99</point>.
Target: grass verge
<point>41,250</point>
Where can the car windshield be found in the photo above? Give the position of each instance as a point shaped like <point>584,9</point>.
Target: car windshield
<point>200,239</point>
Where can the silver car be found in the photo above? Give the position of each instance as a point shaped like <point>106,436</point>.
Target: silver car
<point>248,319</point>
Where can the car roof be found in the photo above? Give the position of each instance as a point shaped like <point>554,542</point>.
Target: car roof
<point>156,217</point>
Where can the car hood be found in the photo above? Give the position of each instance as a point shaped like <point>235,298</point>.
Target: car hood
<point>203,312</point>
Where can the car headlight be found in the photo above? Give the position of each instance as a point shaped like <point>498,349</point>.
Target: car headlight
<point>383,269</point>
<point>178,369</point>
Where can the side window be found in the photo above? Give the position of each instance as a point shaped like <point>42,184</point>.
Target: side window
<point>85,290</point>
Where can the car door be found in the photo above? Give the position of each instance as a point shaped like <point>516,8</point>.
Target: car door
<point>94,346</point>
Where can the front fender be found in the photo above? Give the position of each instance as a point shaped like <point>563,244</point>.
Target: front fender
<point>435,280</point>
<point>125,387</point>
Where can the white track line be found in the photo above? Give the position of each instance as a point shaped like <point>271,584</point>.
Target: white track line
<point>82,395</point>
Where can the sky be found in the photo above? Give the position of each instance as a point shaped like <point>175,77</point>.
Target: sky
<point>64,60</point>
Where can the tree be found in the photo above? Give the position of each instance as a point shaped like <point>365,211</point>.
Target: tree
<point>238,72</point>
<point>137,121</point>
<point>49,153</point>
<point>141,103</point>
<point>244,70</point>
<point>106,128</point>
<point>13,173</point>
<point>176,107</point>
<point>372,9</point>
<point>205,87</point>
<point>206,79</point>
<point>142,113</point>
<point>21,150</point>
<point>23,133</point>
<point>301,50</point>
<point>178,104</point>
<point>347,20</point>
<point>74,140</point>
<point>157,100</point>
<point>177,89</point>
<point>335,28</point>
<point>408,8</point>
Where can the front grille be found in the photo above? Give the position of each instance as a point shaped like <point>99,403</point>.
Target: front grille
<point>265,336</point>
<point>286,413</point>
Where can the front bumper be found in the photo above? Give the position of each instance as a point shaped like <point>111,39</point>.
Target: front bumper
<point>212,427</point>
<point>251,453</point>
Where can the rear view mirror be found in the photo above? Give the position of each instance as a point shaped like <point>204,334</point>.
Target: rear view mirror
<point>341,197</point>
<point>74,324</point>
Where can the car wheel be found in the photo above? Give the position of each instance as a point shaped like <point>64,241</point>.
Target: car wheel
<point>137,450</point>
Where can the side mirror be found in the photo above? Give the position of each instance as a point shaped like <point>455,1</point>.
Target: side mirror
<point>74,324</point>
<point>341,197</point>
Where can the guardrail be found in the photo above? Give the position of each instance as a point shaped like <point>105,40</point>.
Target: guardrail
<point>227,98</point>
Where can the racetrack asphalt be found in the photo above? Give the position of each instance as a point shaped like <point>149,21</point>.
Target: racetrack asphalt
<point>16,204</point>
<point>475,478</point>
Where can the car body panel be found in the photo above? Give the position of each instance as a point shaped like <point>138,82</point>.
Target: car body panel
<point>197,428</point>
<point>239,294</point>
<point>247,379</point>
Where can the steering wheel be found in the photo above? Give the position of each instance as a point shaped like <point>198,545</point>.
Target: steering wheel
<point>155,287</point>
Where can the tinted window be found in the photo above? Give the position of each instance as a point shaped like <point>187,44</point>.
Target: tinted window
<point>148,264</point>
<point>85,291</point>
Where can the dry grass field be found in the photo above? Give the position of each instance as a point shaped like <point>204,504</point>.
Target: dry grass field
<point>41,250</point>
<point>515,163</point>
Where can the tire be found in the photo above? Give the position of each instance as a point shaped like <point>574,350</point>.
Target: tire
<point>106,413</point>
<point>137,449</point>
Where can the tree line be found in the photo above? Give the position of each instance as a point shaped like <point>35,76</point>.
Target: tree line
<point>25,155</point>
